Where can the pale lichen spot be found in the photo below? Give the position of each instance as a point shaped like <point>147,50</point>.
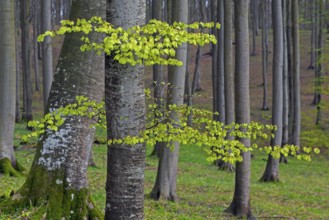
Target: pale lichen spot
<point>58,182</point>
<point>72,197</point>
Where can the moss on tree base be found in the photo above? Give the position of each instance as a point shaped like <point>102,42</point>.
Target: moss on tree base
<point>7,168</point>
<point>74,204</point>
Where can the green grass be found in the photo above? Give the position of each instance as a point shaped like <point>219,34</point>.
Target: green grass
<point>204,192</point>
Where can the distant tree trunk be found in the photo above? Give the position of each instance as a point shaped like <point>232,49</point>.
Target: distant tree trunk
<point>35,15</point>
<point>265,52</point>
<point>240,205</point>
<point>125,112</point>
<point>26,61</point>
<point>318,68</point>
<point>254,9</point>
<point>47,51</point>
<point>165,183</point>
<point>272,167</point>
<point>214,48</point>
<point>290,70</point>
<point>57,182</point>
<point>196,75</point>
<point>228,74</point>
<point>313,35</point>
<point>8,163</point>
<point>158,74</point>
<point>296,71</point>
<point>18,60</point>
<point>220,92</point>
<point>285,121</point>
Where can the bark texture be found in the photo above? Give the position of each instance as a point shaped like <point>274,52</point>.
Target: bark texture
<point>272,167</point>
<point>125,112</point>
<point>57,181</point>
<point>7,88</point>
<point>165,184</point>
<point>240,205</point>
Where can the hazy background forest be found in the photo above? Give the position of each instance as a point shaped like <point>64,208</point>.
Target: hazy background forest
<point>73,173</point>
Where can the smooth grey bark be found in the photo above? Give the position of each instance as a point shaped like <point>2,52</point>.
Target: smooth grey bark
<point>265,27</point>
<point>196,75</point>
<point>125,112</point>
<point>214,48</point>
<point>18,60</point>
<point>220,88</point>
<point>47,51</point>
<point>7,80</point>
<point>240,205</point>
<point>26,62</point>
<point>285,120</point>
<point>158,73</point>
<point>225,72</point>
<point>165,183</point>
<point>36,18</point>
<point>318,69</point>
<point>254,9</point>
<point>313,35</point>
<point>296,74</point>
<point>272,167</point>
<point>58,176</point>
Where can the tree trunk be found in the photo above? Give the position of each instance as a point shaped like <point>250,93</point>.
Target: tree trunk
<point>158,74</point>
<point>47,51</point>
<point>265,26</point>
<point>125,112</point>
<point>240,205</point>
<point>57,181</point>
<point>26,63</point>
<point>296,71</point>
<point>165,184</point>
<point>8,163</point>
<point>214,48</point>
<point>272,167</point>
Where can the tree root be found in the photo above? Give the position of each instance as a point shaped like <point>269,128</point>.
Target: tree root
<point>8,169</point>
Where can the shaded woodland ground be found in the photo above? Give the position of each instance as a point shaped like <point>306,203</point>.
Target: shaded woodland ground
<point>204,191</point>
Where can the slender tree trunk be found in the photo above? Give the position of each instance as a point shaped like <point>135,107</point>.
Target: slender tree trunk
<point>8,163</point>
<point>196,76</point>
<point>125,112</point>
<point>18,60</point>
<point>214,53</point>
<point>318,68</point>
<point>285,121</point>
<point>47,51</point>
<point>158,74</point>
<point>313,36</point>
<point>296,71</point>
<point>254,9</point>
<point>272,167</point>
<point>240,205</point>
<point>165,184</point>
<point>35,43</point>
<point>57,181</point>
<point>26,61</point>
<point>265,53</point>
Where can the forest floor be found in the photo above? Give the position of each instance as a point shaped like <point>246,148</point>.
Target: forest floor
<point>204,192</point>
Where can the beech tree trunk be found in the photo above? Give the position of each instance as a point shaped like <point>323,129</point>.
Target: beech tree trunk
<point>8,163</point>
<point>272,167</point>
<point>26,62</point>
<point>125,112</point>
<point>240,206</point>
<point>265,52</point>
<point>158,73</point>
<point>57,181</point>
<point>47,51</point>
<point>165,184</point>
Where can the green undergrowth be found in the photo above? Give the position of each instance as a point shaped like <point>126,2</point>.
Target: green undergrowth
<point>204,192</point>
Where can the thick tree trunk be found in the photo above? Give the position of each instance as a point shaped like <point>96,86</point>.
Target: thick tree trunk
<point>240,205</point>
<point>8,163</point>
<point>272,167</point>
<point>165,184</point>
<point>125,112</point>
<point>57,181</point>
<point>47,52</point>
